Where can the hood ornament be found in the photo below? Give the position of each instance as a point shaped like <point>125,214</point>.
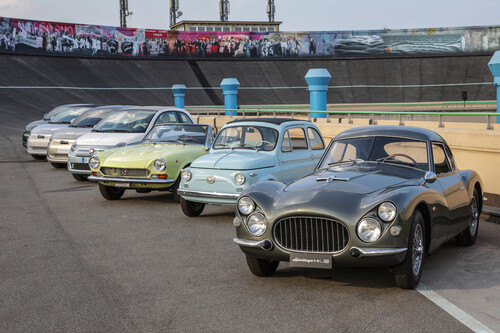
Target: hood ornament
<point>331,179</point>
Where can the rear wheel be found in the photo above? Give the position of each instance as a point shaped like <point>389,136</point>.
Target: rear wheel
<point>469,235</point>
<point>407,274</point>
<point>110,192</point>
<point>39,157</point>
<point>190,208</point>
<point>80,178</point>
<point>58,165</point>
<point>261,267</point>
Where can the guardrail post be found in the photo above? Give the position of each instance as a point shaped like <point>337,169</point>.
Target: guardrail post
<point>488,123</point>
<point>372,120</point>
<point>230,92</point>
<point>494,66</point>
<point>318,79</point>
<point>441,125</point>
<point>179,91</point>
<point>401,123</point>
<point>349,120</point>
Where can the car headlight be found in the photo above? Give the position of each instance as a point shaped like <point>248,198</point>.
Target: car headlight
<point>246,205</point>
<point>186,175</point>
<point>94,162</point>
<point>73,147</point>
<point>160,165</point>
<point>239,178</point>
<point>257,224</point>
<point>387,211</point>
<point>369,230</point>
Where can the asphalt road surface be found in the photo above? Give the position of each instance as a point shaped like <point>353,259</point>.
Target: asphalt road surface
<point>71,261</point>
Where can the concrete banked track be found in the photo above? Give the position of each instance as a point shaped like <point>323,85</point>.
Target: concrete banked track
<point>22,105</point>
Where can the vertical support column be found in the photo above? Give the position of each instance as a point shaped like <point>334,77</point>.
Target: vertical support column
<point>230,92</point>
<point>318,79</point>
<point>494,66</point>
<point>179,91</point>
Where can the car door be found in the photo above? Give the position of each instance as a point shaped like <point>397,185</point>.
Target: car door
<point>295,156</point>
<point>453,189</point>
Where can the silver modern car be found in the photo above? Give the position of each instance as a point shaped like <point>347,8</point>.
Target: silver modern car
<point>38,141</point>
<point>61,140</point>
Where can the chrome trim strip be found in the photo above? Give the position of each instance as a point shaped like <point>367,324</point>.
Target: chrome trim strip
<point>373,252</point>
<point>297,160</point>
<point>131,180</point>
<point>249,243</point>
<point>214,195</point>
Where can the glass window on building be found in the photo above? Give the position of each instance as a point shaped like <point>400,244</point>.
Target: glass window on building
<point>246,29</point>
<point>201,28</point>
<point>192,28</point>
<point>227,29</point>
<point>210,28</point>
<point>218,28</point>
<point>262,29</point>
<point>270,29</point>
<point>236,29</point>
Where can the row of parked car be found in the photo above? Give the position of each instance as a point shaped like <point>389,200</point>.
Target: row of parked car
<point>378,196</point>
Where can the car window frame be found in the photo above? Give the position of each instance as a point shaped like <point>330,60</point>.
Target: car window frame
<point>320,136</point>
<point>447,159</point>
<point>287,129</point>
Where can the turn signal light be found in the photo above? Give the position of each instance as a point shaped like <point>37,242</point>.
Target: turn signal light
<point>94,173</point>
<point>162,176</point>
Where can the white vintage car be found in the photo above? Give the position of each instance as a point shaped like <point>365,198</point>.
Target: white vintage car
<point>121,128</point>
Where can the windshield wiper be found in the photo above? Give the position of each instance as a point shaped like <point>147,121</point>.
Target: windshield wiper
<point>351,160</point>
<point>174,140</point>
<point>148,141</point>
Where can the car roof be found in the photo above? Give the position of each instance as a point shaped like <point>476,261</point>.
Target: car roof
<point>154,108</point>
<point>398,131</point>
<point>276,121</point>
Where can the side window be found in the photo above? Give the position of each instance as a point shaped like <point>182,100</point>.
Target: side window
<point>450,156</point>
<point>315,139</point>
<point>441,163</point>
<point>166,117</point>
<point>184,118</point>
<point>294,139</point>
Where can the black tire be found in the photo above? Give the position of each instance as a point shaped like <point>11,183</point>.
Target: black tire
<point>110,192</point>
<point>190,208</point>
<point>39,157</point>
<point>261,267</point>
<point>174,188</point>
<point>407,274</point>
<point>80,178</point>
<point>469,235</point>
<point>58,165</point>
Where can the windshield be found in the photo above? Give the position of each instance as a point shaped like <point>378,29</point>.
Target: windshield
<point>55,111</point>
<point>247,137</point>
<point>91,117</point>
<point>65,116</point>
<point>182,133</point>
<point>130,121</point>
<point>400,151</point>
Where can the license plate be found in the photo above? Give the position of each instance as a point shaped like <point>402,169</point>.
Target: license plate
<point>62,151</point>
<point>126,185</point>
<point>311,260</point>
<point>85,160</point>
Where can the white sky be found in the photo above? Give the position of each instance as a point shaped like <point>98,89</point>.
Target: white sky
<point>297,15</point>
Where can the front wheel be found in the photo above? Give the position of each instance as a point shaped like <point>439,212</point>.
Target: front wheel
<point>58,165</point>
<point>469,235</point>
<point>261,267</point>
<point>174,188</point>
<point>407,274</point>
<point>110,192</point>
<point>191,208</point>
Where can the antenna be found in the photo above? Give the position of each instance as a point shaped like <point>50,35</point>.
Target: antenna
<point>224,10</point>
<point>270,9</point>
<point>124,13</point>
<point>174,12</point>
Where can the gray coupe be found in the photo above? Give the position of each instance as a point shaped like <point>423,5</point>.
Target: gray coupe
<point>381,196</point>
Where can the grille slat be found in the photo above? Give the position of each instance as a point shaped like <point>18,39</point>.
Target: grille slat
<point>311,234</point>
<point>80,166</point>
<point>120,172</point>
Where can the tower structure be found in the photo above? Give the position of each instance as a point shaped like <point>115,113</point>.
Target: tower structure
<point>124,12</point>
<point>174,11</point>
<point>270,9</point>
<point>224,10</point>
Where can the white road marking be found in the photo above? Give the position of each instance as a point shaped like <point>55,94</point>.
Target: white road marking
<point>453,310</point>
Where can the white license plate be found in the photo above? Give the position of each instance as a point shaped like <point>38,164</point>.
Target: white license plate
<point>62,151</point>
<point>126,185</point>
<point>85,159</point>
<point>311,260</point>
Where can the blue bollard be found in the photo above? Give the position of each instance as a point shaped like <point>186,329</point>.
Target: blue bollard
<point>494,66</point>
<point>318,79</point>
<point>179,91</point>
<point>230,92</point>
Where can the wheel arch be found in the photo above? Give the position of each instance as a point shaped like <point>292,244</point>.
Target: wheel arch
<point>424,210</point>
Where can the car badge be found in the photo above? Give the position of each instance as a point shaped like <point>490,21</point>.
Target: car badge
<point>64,142</point>
<point>125,171</point>
<point>41,136</point>
<point>91,150</point>
<point>210,179</point>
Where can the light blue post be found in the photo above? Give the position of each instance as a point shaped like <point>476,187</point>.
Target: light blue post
<point>494,66</point>
<point>318,79</point>
<point>230,92</point>
<point>179,91</point>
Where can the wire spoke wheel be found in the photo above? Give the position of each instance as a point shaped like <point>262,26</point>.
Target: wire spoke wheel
<point>417,250</point>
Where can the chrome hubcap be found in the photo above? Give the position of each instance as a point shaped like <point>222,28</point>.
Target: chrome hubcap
<point>474,219</point>
<point>418,249</point>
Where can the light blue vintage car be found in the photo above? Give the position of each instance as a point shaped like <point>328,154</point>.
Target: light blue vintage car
<point>248,151</point>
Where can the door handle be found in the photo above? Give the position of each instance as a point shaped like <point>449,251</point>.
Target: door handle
<point>462,188</point>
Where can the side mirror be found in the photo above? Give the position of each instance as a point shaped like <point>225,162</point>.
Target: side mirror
<point>208,145</point>
<point>430,177</point>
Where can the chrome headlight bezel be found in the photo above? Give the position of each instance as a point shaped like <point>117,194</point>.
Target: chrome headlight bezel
<point>387,211</point>
<point>94,162</point>
<point>160,165</point>
<point>257,224</point>
<point>240,178</point>
<point>246,205</point>
<point>369,229</point>
<point>186,175</point>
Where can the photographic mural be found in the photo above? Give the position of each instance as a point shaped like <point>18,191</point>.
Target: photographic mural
<point>24,36</point>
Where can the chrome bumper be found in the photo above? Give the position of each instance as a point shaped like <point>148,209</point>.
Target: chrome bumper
<point>249,243</point>
<point>211,195</point>
<point>375,252</point>
<point>131,180</point>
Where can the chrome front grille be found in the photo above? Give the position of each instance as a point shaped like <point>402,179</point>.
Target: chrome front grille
<point>311,234</point>
<point>123,172</point>
<point>80,166</point>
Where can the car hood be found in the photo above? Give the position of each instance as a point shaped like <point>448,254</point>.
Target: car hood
<point>35,123</point>
<point>235,160</point>
<point>70,133</point>
<point>48,128</point>
<point>109,139</point>
<point>142,155</point>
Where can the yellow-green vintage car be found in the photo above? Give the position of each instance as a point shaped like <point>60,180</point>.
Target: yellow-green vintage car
<point>154,164</point>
